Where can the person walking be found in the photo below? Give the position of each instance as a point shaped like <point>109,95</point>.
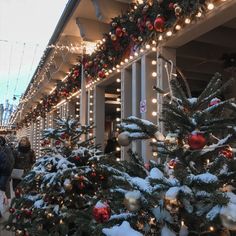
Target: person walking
<point>24,158</point>
<point>6,166</point>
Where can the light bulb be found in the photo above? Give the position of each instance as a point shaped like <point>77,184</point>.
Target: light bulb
<point>154,154</point>
<point>154,100</point>
<point>187,21</point>
<point>154,113</point>
<point>210,6</point>
<point>168,33</point>
<point>118,80</point>
<point>160,38</point>
<point>154,62</point>
<point>178,27</point>
<point>148,46</point>
<point>154,74</point>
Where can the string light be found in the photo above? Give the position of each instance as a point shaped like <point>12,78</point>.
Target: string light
<point>187,21</point>
<point>154,100</point>
<point>168,33</point>
<point>154,74</point>
<point>210,6</point>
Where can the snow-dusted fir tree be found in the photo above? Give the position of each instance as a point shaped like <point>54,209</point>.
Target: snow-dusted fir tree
<point>194,185</point>
<point>75,190</point>
<point>56,197</point>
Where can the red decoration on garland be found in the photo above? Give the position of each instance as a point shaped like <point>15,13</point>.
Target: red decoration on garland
<point>227,153</point>
<point>119,32</point>
<point>93,174</point>
<point>171,6</point>
<point>58,142</point>
<point>172,163</point>
<point>101,74</point>
<point>214,101</point>
<point>159,24</point>
<point>147,166</point>
<point>149,25</point>
<point>196,141</point>
<point>101,212</point>
<point>76,73</point>
<point>28,212</point>
<point>17,192</point>
<point>12,210</point>
<point>77,158</point>
<point>64,136</point>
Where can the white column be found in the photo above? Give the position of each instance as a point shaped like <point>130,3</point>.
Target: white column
<point>83,98</point>
<point>136,97</point>
<point>126,101</point>
<point>162,81</point>
<point>99,115</point>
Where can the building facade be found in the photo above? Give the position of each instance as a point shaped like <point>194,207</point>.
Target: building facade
<point>196,49</point>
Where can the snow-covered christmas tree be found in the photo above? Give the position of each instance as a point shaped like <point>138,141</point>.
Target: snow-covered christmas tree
<point>194,184</point>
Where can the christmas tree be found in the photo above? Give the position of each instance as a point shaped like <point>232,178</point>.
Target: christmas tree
<point>194,181</point>
<point>73,189</point>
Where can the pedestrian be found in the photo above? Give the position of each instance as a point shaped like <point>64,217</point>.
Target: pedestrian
<point>24,158</point>
<point>6,166</point>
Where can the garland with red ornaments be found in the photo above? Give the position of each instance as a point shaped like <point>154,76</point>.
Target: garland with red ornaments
<point>146,23</point>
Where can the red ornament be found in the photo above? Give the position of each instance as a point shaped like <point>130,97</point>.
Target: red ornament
<point>12,210</point>
<point>159,24</point>
<point>149,25</point>
<point>58,142</point>
<point>28,212</point>
<point>171,6</point>
<point>172,163</point>
<point>17,192</point>
<point>93,174</point>
<point>102,177</point>
<point>77,158</point>
<point>101,212</point>
<point>147,166</point>
<point>101,74</point>
<point>76,73</point>
<point>227,153</point>
<point>196,141</point>
<point>214,101</point>
<point>81,186</point>
<point>64,136</point>
<point>119,32</point>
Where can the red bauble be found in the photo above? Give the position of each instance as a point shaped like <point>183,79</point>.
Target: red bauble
<point>77,158</point>
<point>227,153</point>
<point>17,192</point>
<point>58,142</point>
<point>159,24</point>
<point>28,212</point>
<point>196,141</point>
<point>214,101</point>
<point>101,74</point>
<point>119,32</point>
<point>171,6</point>
<point>147,166</point>
<point>81,186</point>
<point>149,25</point>
<point>93,174</point>
<point>12,210</point>
<point>76,73</point>
<point>172,163</point>
<point>64,136</point>
<point>101,212</point>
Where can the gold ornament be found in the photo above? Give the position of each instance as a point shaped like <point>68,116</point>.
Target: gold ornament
<point>132,200</point>
<point>159,136</point>
<point>67,185</point>
<point>113,37</point>
<point>123,138</point>
<point>19,232</point>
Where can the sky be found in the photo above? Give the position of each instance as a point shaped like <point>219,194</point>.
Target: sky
<point>25,29</point>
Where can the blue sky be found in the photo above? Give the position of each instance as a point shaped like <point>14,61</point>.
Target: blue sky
<point>25,29</point>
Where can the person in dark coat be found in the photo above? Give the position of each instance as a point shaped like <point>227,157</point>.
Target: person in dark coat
<point>24,158</point>
<point>6,166</point>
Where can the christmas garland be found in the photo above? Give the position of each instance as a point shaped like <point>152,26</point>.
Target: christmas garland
<point>146,23</point>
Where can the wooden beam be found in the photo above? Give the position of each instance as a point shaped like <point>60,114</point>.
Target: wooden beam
<point>91,30</point>
<point>221,36</point>
<point>220,15</point>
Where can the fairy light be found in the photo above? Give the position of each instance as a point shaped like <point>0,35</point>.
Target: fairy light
<point>199,14</point>
<point>118,80</point>
<point>154,154</point>
<point>210,6</point>
<point>187,21</point>
<point>211,228</point>
<point>118,109</point>
<point>178,27</point>
<point>117,149</point>
<point>126,60</point>
<point>154,74</point>
<point>148,46</point>
<point>154,62</point>
<point>168,33</point>
<point>154,100</point>
<point>154,113</point>
<point>136,54</point>
<point>141,50</point>
<point>160,38</point>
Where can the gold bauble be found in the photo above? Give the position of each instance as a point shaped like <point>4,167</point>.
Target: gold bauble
<point>132,200</point>
<point>67,185</point>
<point>123,138</point>
<point>113,37</point>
